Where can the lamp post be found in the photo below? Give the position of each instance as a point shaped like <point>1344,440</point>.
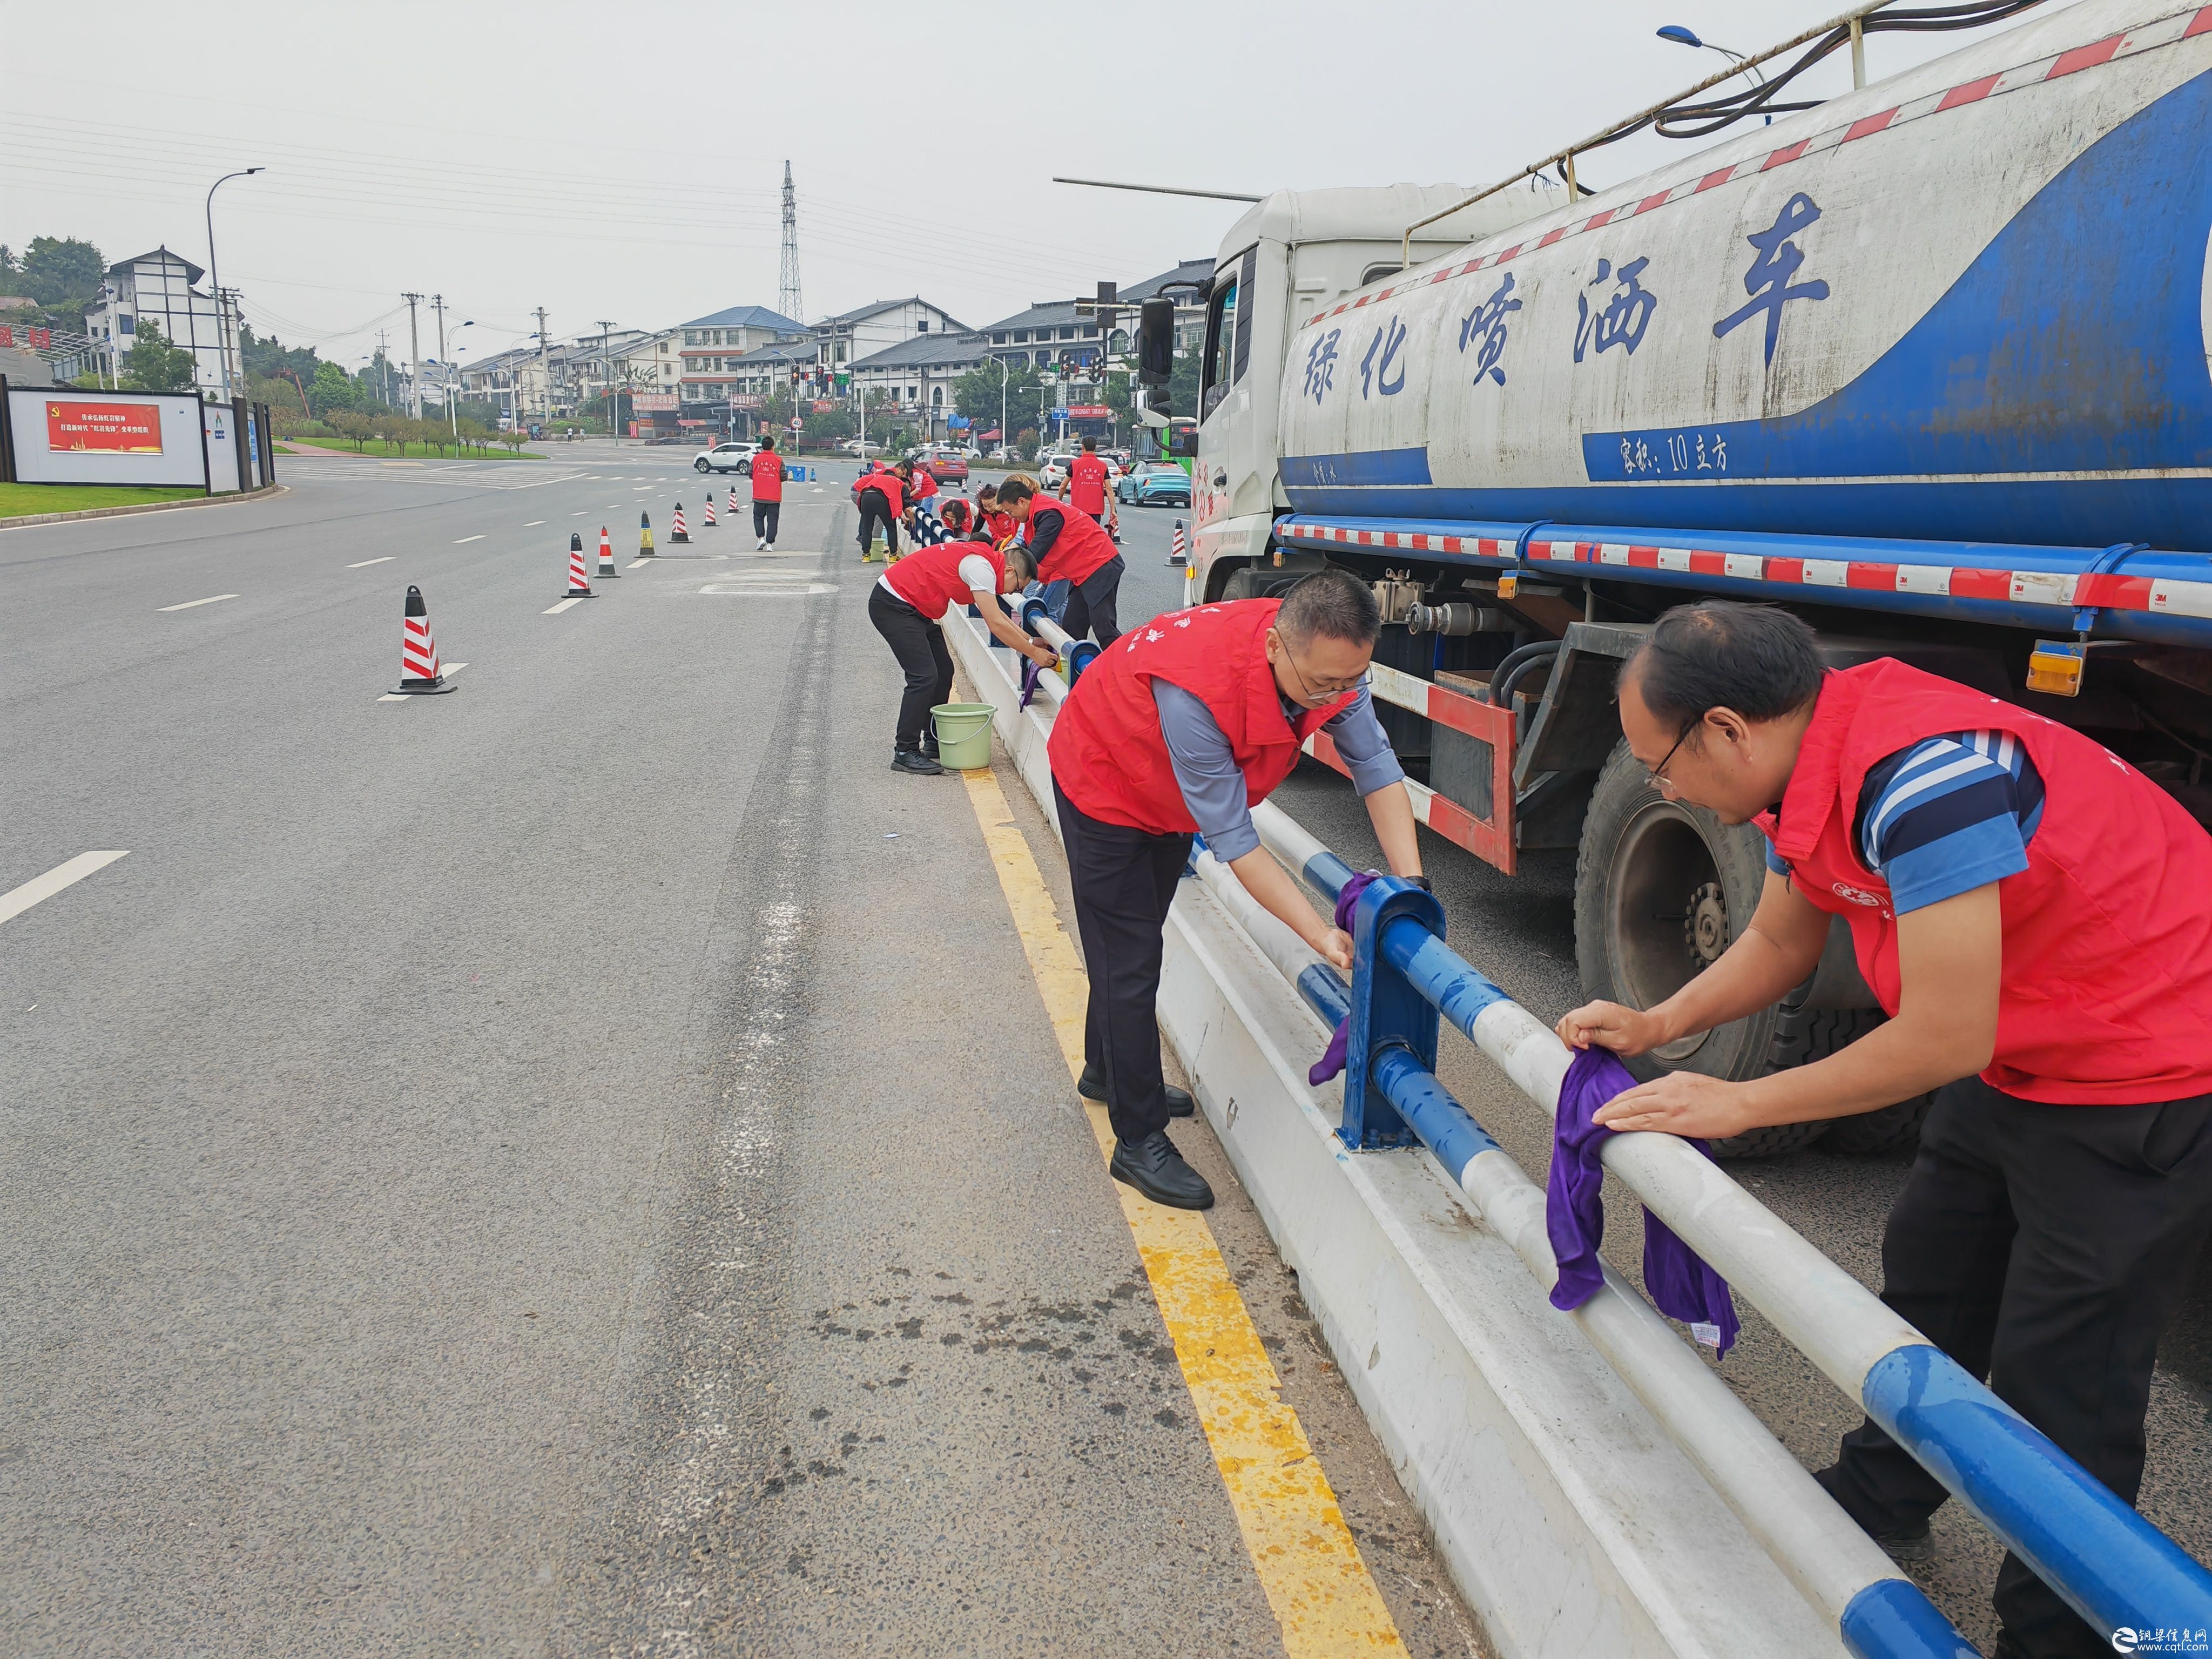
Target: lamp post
<point>215,282</point>
<point>1683,37</point>
<point>453,404</point>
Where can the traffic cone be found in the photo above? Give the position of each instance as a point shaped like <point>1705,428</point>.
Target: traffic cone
<point>578,588</point>
<point>1178,554</point>
<point>606,553</point>
<point>644,536</point>
<point>418,652</point>
<point>733,501</point>
<point>679,533</point>
<point>710,509</point>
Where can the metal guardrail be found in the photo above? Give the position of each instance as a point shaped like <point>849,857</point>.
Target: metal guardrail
<point>2111,1565</point>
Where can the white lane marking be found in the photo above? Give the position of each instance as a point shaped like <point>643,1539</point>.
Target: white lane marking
<point>580,512</point>
<point>533,524</point>
<point>767,586</point>
<point>212,599</point>
<point>365,563</point>
<point>465,540</point>
<point>556,610</point>
<point>61,876</point>
<point>633,563</point>
<point>449,668</point>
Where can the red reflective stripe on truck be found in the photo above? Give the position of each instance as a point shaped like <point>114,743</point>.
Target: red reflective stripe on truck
<point>2083,57</point>
<point>1881,578</point>
<point>1972,582</point>
<point>2199,24</point>
<point>2114,592</point>
<point>1720,176</point>
<point>1867,126</point>
<point>1784,156</point>
<point>1972,93</point>
<point>1703,563</point>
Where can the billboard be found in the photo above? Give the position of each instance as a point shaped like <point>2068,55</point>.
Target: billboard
<point>649,402</point>
<point>120,428</point>
<point>59,434</point>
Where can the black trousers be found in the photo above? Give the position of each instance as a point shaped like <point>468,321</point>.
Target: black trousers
<point>2045,1247</point>
<point>1124,881</point>
<point>919,645</point>
<point>1090,604</point>
<point>765,516</point>
<point>876,510</point>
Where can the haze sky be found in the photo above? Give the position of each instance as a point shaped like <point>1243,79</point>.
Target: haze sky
<point>625,163</point>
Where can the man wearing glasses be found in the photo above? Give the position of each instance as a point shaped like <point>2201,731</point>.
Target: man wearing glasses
<point>1177,729</point>
<point>2035,916</point>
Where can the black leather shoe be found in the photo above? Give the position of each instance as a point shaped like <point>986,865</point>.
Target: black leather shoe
<point>1154,1168</point>
<point>905,760</point>
<point>1179,1104</point>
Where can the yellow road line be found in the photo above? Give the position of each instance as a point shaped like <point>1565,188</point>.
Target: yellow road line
<point>1308,1565</point>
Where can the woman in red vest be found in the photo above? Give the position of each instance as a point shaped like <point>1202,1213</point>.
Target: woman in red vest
<point>990,522</point>
<point>906,605</point>
<point>1070,545</point>
<point>2035,917</point>
<point>1176,730</point>
<point>768,492</point>
<point>881,497</point>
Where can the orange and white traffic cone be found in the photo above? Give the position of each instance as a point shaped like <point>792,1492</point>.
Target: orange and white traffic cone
<point>418,652</point>
<point>679,533</point>
<point>644,536</point>
<point>579,588</point>
<point>1179,550</point>
<point>710,509</point>
<point>733,501</point>
<point>606,553</point>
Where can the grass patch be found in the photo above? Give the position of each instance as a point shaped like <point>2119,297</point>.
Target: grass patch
<point>381,451</point>
<point>23,500</point>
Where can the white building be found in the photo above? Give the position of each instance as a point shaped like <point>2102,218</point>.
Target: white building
<point>919,375</point>
<point>158,288</point>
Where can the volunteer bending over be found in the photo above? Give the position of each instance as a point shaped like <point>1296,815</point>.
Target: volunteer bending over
<point>906,603</point>
<point>1176,729</point>
<point>1072,546</point>
<point>2035,917</point>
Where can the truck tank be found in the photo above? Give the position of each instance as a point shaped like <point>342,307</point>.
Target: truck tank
<point>1967,303</point>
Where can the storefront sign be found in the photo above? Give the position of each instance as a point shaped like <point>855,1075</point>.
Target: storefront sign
<point>117,429</point>
<point>649,402</point>
<point>1087,412</point>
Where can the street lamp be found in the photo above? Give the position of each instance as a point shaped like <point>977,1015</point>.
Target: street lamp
<point>215,282</point>
<point>453,405</point>
<point>1683,37</point>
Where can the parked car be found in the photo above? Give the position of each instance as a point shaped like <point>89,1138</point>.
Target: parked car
<point>945,466</point>
<point>1052,469</point>
<point>726,458</point>
<point>1155,484</point>
<point>855,447</point>
<point>1002,454</point>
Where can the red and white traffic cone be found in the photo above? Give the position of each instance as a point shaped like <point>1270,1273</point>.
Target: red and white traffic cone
<point>418,652</point>
<point>579,586</point>
<point>606,553</point>
<point>710,509</point>
<point>733,501</point>
<point>679,533</point>
<point>1179,553</point>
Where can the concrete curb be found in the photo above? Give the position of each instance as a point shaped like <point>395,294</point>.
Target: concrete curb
<point>223,499</point>
<point>1570,1519</point>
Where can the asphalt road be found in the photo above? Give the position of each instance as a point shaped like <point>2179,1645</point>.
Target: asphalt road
<point>576,1166</point>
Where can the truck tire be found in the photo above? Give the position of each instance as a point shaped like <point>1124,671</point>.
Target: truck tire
<point>1661,887</point>
<point>1894,1128</point>
<point>1253,582</point>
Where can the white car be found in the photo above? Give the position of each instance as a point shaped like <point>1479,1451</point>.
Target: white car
<point>855,447</point>
<point>726,458</point>
<point>1054,472</point>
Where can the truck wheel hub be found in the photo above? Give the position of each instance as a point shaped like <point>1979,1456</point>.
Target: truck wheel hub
<point>1705,928</point>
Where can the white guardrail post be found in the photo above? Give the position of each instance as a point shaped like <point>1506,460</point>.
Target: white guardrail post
<point>2111,1565</point>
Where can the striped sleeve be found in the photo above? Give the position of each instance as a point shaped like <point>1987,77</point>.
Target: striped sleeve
<point>1948,814</point>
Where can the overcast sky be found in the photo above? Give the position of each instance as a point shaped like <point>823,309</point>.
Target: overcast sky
<point>625,162</point>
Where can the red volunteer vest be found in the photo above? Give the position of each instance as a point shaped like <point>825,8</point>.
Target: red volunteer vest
<point>924,484</point>
<point>1086,484</point>
<point>1107,753</point>
<point>2107,994</point>
<point>768,476</point>
<point>1078,551</point>
<point>1000,525</point>
<point>889,483</point>
<point>930,580</point>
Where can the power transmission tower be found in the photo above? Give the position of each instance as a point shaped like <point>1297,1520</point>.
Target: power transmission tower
<point>787,300</point>
<point>414,360</point>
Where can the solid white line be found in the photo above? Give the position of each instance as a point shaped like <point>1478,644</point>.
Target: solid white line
<point>579,512</point>
<point>633,563</point>
<point>465,540</point>
<point>556,610</point>
<point>365,563</point>
<point>213,599</point>
<point>533,524</point>
<point>61,876</point>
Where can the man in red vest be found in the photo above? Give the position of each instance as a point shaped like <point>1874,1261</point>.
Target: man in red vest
<point>2035,917</point>
<point>1072,546</point>
<point>908,606</point>
<point>767,494</point>
<point>1084,487</point>
<point>1177,729</point>
<point>880,494</point>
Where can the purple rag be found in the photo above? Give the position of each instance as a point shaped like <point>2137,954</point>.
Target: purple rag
<point>1682,1285</point>
<point>1031,674</point>
<point>1332,1058</point>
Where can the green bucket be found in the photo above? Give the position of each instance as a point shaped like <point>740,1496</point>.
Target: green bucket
<point>963,734</point>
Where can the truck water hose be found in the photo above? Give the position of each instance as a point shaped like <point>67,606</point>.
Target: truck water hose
<point>1513,660</point>
<point>1501,690</point>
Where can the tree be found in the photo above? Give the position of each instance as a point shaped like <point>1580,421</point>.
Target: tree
<point>975,394</point>
<point>152,364</point>
<point>56,270</point>
<point>334,390</point>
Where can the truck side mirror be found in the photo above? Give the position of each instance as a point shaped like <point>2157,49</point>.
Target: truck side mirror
<point>1156,343</point>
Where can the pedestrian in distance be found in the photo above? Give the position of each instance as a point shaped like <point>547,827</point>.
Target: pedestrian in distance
<point>1176,730</point>
<point>2035,917</point>
<point>907,606</point>
<point>1085,488</point>
<point>767,494</point>
<point>881,497</point>
<point>1072,546</point>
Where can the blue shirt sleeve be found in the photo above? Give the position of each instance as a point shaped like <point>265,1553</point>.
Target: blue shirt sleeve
<point>1948,814</point>
<point>1206,769</point>
<point>1363,746</point>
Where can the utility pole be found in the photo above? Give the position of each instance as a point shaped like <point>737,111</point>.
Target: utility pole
<point>445,371</point>
<point>607,371</point>
<point>787,299</point>
<point>544,369</point>
<point>384,365</point>
<point>414,360</point>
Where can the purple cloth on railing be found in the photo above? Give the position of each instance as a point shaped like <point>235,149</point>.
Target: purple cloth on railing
<point>1031,674</point>
<point>1332,1058</point>
<point>1681,1285</point>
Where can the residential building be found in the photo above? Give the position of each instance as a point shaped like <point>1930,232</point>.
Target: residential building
<point>842,340</point>
<point>919,374</point>
<point>712,345</point>
<point>158,288</point>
